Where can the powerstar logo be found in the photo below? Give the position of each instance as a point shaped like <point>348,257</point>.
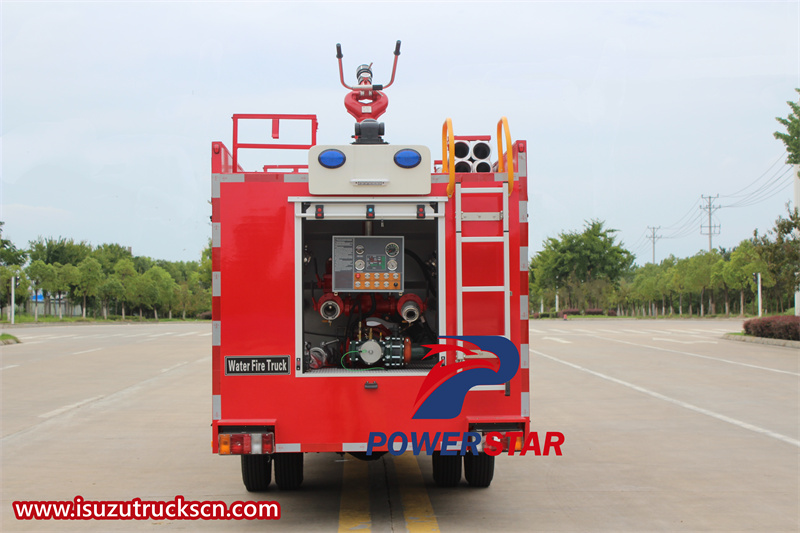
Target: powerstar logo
<point>442,394</point>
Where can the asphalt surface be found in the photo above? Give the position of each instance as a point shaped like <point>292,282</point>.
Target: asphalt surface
<point>668,427</point>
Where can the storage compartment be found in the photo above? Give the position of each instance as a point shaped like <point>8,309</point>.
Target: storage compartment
<point>370,295</point>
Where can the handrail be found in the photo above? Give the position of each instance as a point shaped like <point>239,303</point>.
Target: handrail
<point>503,122</point>
<point>448,165</point>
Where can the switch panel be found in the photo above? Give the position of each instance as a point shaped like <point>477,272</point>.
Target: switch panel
<point>371,264</point>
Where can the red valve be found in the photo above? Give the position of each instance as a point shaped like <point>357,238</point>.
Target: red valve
<point>366,104</point>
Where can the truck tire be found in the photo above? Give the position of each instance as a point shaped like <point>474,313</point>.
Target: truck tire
<point>446,469</point>
<point>479,469</point>
<point>288,470</point>
<point>256,472</point>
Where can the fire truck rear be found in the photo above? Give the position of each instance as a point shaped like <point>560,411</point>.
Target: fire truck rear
<point>336,280</point>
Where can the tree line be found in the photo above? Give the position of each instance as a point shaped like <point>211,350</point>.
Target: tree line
<point>104,280</point>
<point>589,270</point>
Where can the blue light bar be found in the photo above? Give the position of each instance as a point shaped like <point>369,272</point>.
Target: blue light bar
<point>331,158</point>
<point>407,158</point>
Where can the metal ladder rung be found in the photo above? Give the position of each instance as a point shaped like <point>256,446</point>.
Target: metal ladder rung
<point>479,190</point>
<point>482,239</point>
<point>483,288</point>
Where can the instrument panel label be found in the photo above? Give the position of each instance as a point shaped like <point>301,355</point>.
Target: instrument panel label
<point>257,366</point>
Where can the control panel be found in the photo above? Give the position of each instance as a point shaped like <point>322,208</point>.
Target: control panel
<point>371,264</point>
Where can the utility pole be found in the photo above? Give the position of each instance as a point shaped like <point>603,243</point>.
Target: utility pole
<point>653,237</point>
<point>13,285</point>
<point>712,229</point>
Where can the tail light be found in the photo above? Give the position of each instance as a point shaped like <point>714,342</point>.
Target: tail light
<point>246,443</point>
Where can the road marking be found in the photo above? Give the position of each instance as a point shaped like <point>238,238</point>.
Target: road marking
<point>205,334</point>
<point>161,334</point>
<point>86,351</point>
<point>60,410</point>
<point>354,507</point>
<point>691,407</point>
<point>185,334</point>
<point>612,331</point>
<point>8,367</point>
<point>636,331</point>
<point>173,367</point>
<point>702,356</point>
<point>536,330</point>
<point>583,330</point>
<point>562,341</point>
<point>417,508</point>
<point>684,342</point>
<point>63,336</point>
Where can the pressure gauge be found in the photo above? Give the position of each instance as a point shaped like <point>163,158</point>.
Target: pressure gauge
<point>391,264</point>
<point>392,249</point>
<point>360,249</point>
<point>360,264</point>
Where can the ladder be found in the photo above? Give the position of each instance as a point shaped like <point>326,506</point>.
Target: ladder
<point>462,241</point>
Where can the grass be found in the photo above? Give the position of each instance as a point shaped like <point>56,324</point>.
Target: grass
<point>5,338</point>
<point>26,318</point>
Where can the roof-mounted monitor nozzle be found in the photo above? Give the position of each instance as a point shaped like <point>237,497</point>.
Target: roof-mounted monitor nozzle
<point>366,101</point>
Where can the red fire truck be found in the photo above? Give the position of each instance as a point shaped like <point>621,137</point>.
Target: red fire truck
<point>334,280</point>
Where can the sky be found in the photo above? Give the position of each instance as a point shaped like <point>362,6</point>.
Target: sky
<point>631,110</point>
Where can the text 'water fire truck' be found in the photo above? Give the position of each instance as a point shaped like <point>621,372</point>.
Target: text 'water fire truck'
<point>368,302</point>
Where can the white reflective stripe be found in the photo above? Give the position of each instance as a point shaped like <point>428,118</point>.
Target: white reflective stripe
<point>523,307</point>
<point>522,165</point>
<point>295,178</point>
<point>284,448</point>
<point>216,179</point>
<point>487,387</point>
<point>216,333</point>
<point>526,403</point>
<point>523,212</point>
<point>354,446</point>
<point>215,283</point>
<point>523,258</point>
<point>524,356</point>
<point>216,234</point>
<point>216,407</point>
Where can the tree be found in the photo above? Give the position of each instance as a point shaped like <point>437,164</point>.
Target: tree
<point>10,254</point>
<point>90,276</point>
<point>126,273</point>
<point>110,289</point>
<point>792,136</point>
<point>109,254</point>
<point>164,289</point>
<point>61,250</point>
<point>39,274</point>
<point>68,280</point>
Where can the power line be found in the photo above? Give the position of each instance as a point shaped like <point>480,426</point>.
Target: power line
<point>756,180</point>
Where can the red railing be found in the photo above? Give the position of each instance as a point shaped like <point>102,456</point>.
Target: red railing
<point>275,133</point>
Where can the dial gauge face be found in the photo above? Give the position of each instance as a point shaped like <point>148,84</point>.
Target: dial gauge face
<point>392,249</point>
<point>360,249</point>
<point>360,264</point>
<point>391,264</point>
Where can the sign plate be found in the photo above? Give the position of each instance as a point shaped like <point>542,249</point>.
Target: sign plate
<point>257,366</point>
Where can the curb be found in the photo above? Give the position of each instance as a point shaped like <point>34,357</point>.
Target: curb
<point>761,340</point>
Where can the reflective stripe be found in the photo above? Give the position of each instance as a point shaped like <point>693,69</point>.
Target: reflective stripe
<point>284,448</point>
<point>523,211</point>
<point>524,356</point>
<point>216,407</point>
<point>216,179</point>
<point>216,234</point>
<point>526,403</point>
<point>523,308</point>
<point>216,333</point>
<point>215,283</point>
<point>523,258</point>
<point>354,447</point>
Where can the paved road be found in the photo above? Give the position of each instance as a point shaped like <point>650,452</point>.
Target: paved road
<point>668,427</point>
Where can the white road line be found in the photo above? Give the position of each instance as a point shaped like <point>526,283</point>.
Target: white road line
<point>173,367</point>
<point>636,331</point>
<point>583,330</point>
<point>684,342</point>
<point>205,334</point>
<point>562,341</point>
<point>86,351</point>
<point>60,410</point>
<point>735,422</point>
<point>161,334</point>
<point>9,366</point>
<point>136,335</point>
<point>611,331</point>
<point>536,330</point>
<point>703,356</point>
<point>185,334</point>
<point>64,336</point>
<point>31,343</point>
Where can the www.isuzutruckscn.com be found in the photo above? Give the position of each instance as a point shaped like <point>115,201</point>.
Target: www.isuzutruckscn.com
<point>177,509</point>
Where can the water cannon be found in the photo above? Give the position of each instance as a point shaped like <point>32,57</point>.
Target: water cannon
<point>366,101</point>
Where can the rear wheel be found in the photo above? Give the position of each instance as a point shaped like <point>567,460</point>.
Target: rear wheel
<point>479,469</point>
<point>446,469</point>
<point>256,472</point>
<point>288,470</point>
